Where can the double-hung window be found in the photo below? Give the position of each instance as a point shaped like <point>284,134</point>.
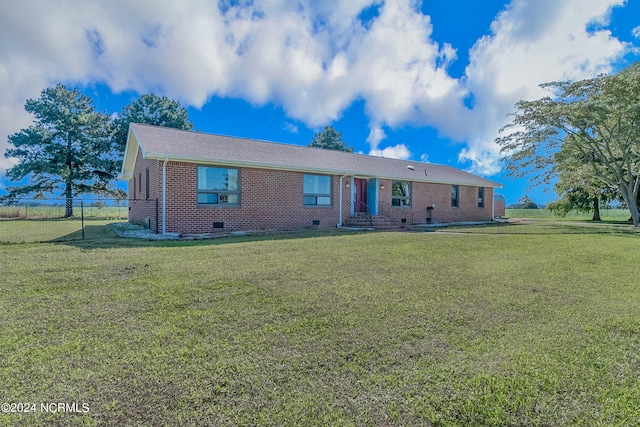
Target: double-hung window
<point>317,190</point>
<point>401,193</point>
<point>455,198</point>
<point>218,186</point>
<point>481,197</point>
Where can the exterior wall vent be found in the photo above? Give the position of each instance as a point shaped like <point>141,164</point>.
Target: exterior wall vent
<point>316,222</point>
<point>218,225</point>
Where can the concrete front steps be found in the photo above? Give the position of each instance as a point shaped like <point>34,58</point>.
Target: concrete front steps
<point>377,222</point>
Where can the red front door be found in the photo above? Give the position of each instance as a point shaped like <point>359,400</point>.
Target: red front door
<point>361,195</point>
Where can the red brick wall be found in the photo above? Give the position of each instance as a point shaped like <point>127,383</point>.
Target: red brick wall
<point>269,199</point>
<point>273,199</point>
<point>427,194</point>
<point>139,207</point>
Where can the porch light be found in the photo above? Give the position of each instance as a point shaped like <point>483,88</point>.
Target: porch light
<point>382,187</point>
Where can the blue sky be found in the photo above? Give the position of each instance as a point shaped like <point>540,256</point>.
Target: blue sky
<point>431,80</point>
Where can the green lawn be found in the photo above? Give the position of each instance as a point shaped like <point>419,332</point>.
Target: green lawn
<point>30,231</point>
<point>533,324</point>
<point>605,214</point>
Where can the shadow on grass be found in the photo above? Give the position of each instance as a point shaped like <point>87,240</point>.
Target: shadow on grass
<point>618,228</point>
<point>103,237</point>
<point>546,226</point>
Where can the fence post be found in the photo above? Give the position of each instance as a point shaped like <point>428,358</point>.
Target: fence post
<point>82,216</point>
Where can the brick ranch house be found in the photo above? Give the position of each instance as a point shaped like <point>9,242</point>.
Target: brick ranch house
<point>190,183</point>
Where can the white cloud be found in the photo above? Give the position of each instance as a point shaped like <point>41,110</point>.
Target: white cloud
<point>290,127</point>
<point>402,73</point>
<point>399,151</point>
<point>376,135</point>
<point>312,58</point>
<point>532,42</point>
<point>636,32</point>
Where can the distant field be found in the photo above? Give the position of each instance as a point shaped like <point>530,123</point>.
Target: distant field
<point>530,324</point>
<point>605,214</point>
<point>58,211</point>
<point>45,222</point>
<point>33,231</point>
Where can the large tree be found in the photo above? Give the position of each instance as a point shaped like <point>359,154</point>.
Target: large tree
<point>600,117</point>
<point>577,187</point>
<point>330,139</point>
<point>150,109</point>
<point>66,149</point>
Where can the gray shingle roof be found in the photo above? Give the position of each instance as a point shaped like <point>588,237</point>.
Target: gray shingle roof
<point>179,145</point>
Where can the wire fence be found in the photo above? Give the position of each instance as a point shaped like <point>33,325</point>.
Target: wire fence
<point>46,220</point>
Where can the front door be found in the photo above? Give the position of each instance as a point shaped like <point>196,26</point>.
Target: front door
<point>361,195</point>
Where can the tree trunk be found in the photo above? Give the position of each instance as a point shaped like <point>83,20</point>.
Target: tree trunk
<point>635,214</point>
<point>596,209</point>
<point>68,191</point>
<point>631,200</point>
<point>68,204</point>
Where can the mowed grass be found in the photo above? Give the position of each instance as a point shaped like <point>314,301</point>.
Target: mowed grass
<point>53,230</point>
<point>607,215</point>
<point>532,327</point>
<point>46,223</point>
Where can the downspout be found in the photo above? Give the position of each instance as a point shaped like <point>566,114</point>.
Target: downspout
<point>340,223</point>
<point>164,195</point>
<point>493,204</point>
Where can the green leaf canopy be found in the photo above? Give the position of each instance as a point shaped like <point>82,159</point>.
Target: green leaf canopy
<point>597,120</point>
<point>66,149</point>
<point>150,109</point>
<point>329,139</point>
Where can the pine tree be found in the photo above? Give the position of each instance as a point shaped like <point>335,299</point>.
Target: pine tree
<point>330,139</point>
<point>66,149</point>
